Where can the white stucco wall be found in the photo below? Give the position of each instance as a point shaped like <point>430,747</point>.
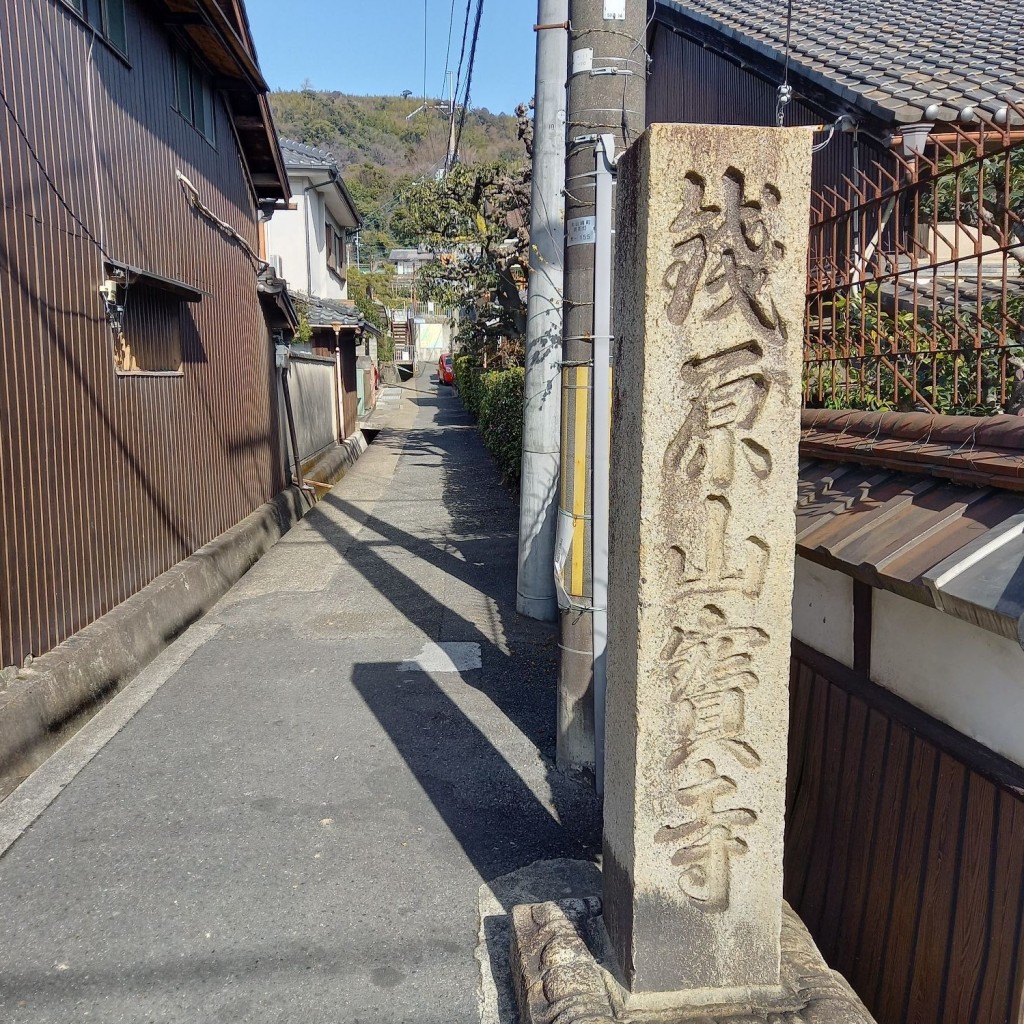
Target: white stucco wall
<point>431,341</point>
<point>961,674</point>
<point>823,610</point>
<point>286,236</point>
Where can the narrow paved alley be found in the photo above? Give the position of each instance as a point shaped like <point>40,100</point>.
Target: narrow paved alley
<point>295,825</point>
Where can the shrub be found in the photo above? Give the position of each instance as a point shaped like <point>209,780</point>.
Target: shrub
<point>467,380</point>
<point>501,419</point>
<point>495,399</point>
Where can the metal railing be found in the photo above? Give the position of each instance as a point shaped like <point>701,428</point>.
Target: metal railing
<point>915,297</point>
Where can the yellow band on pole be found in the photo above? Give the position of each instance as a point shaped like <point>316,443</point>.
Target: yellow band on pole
<point>579,487</point>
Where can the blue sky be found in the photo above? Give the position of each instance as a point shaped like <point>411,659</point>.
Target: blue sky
<point>362,46</point>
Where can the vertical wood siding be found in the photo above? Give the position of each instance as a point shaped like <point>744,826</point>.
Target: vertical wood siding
<point>904,859</point>
<point>691,84</point>
<point>107,481</point>
<point>349,398</point>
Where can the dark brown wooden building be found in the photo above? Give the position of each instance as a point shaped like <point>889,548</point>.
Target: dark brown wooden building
<point>137,394</point>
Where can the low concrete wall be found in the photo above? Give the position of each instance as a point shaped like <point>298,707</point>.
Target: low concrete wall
<point>823,610</point>
<point>44,703</point>
<point>959,673</point>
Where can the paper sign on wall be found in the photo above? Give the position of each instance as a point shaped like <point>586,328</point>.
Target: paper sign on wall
<point>614,10</point>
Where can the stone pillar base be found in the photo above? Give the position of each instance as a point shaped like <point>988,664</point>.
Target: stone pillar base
<point>563,973</point>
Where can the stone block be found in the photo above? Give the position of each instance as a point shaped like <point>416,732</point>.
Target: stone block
<point>565,973</point>
<point>710,283</point>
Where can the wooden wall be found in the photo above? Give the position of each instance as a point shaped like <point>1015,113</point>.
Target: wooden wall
<point>904,852</point>
<point>107,481</point>
<point>690,83</point>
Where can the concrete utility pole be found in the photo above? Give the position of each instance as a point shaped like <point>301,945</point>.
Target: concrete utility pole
<point>538,503</point>
<point>607,91</point>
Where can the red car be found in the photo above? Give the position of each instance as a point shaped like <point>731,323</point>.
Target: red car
<point>445,369</point>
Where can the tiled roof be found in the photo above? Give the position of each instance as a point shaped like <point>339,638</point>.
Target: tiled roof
<point>410,256</point>
<point>325,313</point>
<point>894,58</point>
<point>930,507</point>
<point>298,154</point>
<point>298,157</point>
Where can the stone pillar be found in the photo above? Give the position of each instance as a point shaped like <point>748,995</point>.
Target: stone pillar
<point>710,272</point>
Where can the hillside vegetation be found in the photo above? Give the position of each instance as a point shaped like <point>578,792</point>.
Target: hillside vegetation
<point>381,150</point>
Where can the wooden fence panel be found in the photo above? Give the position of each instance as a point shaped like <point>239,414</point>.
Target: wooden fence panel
<point>904,852</point>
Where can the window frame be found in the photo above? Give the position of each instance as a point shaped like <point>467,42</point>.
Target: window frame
<point>167,296</point>
<point>336,250</point>
<point>95,14</point>
<point>201,94</point>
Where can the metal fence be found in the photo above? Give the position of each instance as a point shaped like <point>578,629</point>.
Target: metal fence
<point>916,277</point>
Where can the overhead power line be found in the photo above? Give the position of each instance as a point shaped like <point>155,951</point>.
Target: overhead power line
<point>50,183</point>
<point>462,49</point>
<point>469,75</point>
<point>448,50</point>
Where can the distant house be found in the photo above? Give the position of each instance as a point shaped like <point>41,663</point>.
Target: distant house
<point>906,97</point>
<point>408,262</point>
<point>884,65</point>
<point>309,244</point>
<point>137,382</point>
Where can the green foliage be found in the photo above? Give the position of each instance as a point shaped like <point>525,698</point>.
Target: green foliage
<point>955,191</point>
<point>380,152</point>
<point>372,291</point>
<point>475,219</point>
<point>467,380</point>
<point>386,349</point>
<point>501,419</point>
<point>304,333</point>
<point>495,399</point>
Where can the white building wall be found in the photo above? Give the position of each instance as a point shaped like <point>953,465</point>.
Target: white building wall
<point>430,342</point>
<point>959,673</point>
<point>285,234</point>
<point>299,237</point>
<point>823,610</point>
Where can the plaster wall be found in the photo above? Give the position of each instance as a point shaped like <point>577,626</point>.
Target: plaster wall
<point>959,673</point>
<point>287,233</point>
<point>286,237</point>
<point>431,341</point>
<point>823,610</point>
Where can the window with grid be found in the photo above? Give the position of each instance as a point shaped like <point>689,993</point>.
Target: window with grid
<point>194,97</point>
<point>107,17</point>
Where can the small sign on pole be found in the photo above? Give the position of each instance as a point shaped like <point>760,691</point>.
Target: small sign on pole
<point>581,231</point>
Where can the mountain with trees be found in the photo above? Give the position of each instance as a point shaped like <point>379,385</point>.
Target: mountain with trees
<point>383,144</point>
<point>475,219</point>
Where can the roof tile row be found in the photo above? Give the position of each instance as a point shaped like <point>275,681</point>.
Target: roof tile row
<point>958,54</point>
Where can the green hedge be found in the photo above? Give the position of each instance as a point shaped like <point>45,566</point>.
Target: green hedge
<point>495,399</point>
<point>467,379</point>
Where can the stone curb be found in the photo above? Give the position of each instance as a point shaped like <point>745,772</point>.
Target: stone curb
<point>43,704</point>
